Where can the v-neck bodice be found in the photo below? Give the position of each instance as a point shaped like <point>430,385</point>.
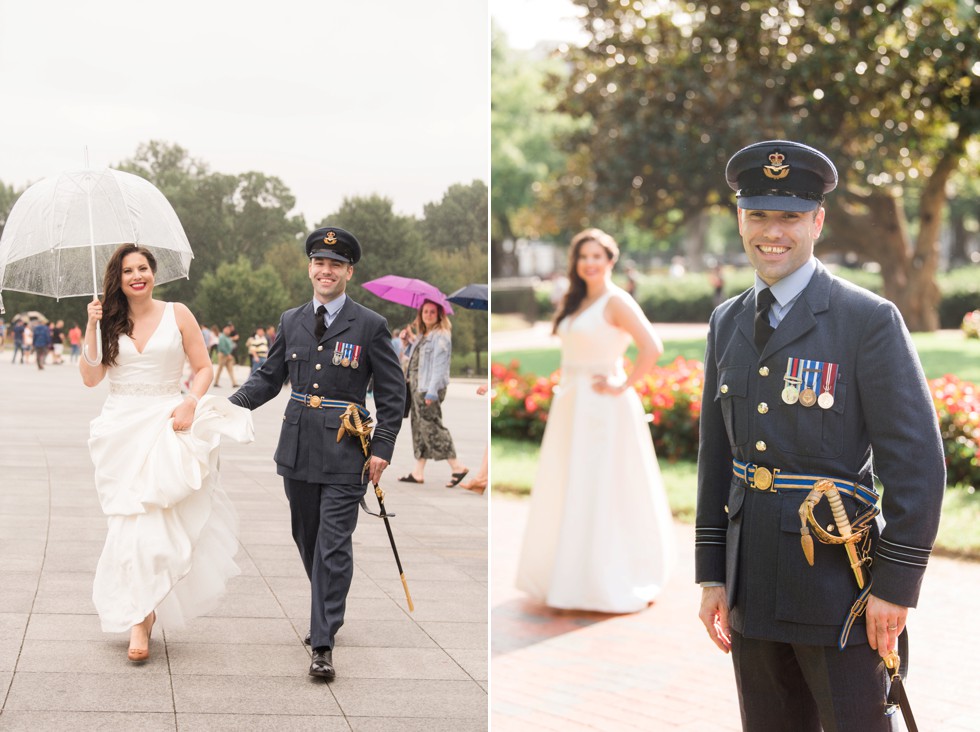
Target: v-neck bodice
<point>162,359</point>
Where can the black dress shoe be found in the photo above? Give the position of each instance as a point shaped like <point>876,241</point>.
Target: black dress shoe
<point>306,640</point>
<point>322,665</point>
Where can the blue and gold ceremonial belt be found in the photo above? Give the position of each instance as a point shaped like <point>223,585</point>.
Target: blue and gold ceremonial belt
<point>318,402</point>
<point>773,479</point>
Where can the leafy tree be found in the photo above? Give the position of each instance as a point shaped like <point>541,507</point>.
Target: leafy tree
<point>238,292</point>
<point>458,220</point>
<point>390,244</point>
<point>224,216</point>
<point>290,263</point>
<point>524,125</point>
<point>890,90</point>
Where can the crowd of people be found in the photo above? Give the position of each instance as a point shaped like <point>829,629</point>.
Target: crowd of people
<point>37,340</point>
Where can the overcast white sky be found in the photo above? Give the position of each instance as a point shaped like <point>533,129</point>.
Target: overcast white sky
<point>336,98</point>
<point>527,22</point>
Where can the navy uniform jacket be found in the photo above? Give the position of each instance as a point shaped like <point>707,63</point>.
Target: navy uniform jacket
<point>882,421</point>
<point>308,448</point>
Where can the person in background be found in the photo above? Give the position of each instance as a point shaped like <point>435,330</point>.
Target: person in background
<point>213,348</point>
<point>42,342</point>
<point>17,331</point>
<point>75,341</point>
<point>226,356</point>
<point>270,334</point>
<point>29,341</point>
<point>258,348</point>
<point>58,342</point>
<point>717,279</point>
<point>812,389</point>
<point>428,378</point>
<point>478,483</point>
<point>599,535</point>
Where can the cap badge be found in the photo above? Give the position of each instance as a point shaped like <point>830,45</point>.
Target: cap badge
<point>330,238</point>
<point>776,170</point>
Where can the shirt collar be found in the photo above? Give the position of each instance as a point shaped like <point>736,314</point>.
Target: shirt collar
<point>333,307</point>
<point>789,287</point>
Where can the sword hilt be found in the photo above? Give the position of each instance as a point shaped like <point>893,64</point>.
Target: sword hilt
<point>844,527</point>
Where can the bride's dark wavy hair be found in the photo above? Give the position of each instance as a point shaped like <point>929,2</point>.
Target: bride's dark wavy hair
<point>576,285</point>
<point>116,319</point>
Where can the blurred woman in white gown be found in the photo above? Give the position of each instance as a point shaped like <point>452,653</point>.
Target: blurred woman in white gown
<point>172,532</point>
<point>599,534</point>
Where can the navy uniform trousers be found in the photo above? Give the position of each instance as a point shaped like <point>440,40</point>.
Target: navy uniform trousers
<point>323,521</point>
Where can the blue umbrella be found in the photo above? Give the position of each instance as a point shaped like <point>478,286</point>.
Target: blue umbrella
<point>472,297</point>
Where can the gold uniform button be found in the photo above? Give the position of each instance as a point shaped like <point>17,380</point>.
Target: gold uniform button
<point>726,507</point>
<point>316,386</point>
<point>764,371</point>
<point>318,367</point>
<point>319,348</point>
<point>724,388</point>
<point>294,355</point>
<point>760,446</point>
<point>763,407</point>
<point>830,528</point>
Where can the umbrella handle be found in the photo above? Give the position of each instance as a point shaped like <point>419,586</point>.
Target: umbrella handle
<point>98,347</point>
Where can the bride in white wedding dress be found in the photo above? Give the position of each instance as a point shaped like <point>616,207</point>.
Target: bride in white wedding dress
<point>172,533</point>
<point>599,534</point>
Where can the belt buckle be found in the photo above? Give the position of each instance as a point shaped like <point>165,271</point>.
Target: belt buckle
<point>764,479</point>
<point>314,401</point>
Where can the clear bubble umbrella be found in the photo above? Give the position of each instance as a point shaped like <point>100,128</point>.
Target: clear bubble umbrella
<point>62,231</point>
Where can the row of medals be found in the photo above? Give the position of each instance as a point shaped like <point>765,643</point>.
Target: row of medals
<point>339,360</point>
<point>807,397</point>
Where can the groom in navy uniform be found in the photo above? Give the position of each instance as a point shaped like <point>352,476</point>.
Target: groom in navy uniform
<point>808,377</point>
<point>328,349</point>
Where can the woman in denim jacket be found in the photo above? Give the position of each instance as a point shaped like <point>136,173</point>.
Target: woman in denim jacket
<point>428,377</point>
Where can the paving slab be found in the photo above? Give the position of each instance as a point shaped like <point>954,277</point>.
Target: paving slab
<point>243,666</point>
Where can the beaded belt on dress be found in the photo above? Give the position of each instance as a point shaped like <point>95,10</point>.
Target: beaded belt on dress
<point>136,389</point>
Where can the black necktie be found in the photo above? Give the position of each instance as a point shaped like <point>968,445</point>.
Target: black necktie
<point>321,327</point>
<point>763,302</point>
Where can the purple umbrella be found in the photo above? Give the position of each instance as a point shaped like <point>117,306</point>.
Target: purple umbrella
<point>407,291</point>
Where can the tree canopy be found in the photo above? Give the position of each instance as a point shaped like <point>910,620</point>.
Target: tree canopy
<point>249,260</point>
<point>889,90</point>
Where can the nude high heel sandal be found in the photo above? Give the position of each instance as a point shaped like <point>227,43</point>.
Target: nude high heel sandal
<point>142,654</point>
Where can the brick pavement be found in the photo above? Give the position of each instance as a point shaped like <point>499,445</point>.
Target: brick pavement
<point>243,666</point>
<point>657,669</point>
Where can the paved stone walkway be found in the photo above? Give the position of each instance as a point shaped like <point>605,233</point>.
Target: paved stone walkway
<point>657,669</point>
<point>243,667</point>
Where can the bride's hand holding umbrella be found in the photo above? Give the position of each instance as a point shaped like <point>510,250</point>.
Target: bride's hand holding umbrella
<point>92,368</point>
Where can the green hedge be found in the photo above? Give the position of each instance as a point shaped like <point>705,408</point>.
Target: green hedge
<point>689,298</point>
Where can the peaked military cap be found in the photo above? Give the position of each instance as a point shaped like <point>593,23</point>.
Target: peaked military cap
<point>333,243</point>
<point>780,175</point>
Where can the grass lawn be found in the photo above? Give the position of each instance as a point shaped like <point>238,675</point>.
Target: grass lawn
<point>514,462</point>
<point>946,352</point>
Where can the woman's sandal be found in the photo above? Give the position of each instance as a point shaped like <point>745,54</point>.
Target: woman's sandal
<point>410,479</point>
<point>141,654</point>
<point>457,477</point>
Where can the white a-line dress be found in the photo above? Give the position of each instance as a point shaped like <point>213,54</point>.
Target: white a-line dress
<point>172,529</point>
<point>599,534</point>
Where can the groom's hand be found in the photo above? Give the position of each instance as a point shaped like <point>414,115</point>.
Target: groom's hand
<point>714,615</point>
<point>376,467</point>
